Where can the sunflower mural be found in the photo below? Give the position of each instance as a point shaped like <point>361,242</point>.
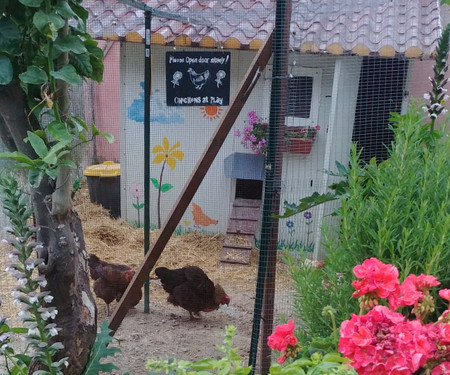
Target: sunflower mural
<point>167,155</point>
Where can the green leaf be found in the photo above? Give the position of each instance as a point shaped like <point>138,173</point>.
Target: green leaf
<point>48,23</point>
<point>34,176</point>
<point>343,171</point>
<point>166,187</point>
<point>109,137</point>
<point>204,364</point>
<point>59,132</point>
<point>101,350</point>
<point>19,330</point>
<point>32,3</point>
<point>9,37</point>
<point>155,182</point>
<point>305,204</point>
<point>335,357</point>
<point>80,11</point>
<point>94,130</point>
<point>68,163</point>
<point>293,371</point>
<point>70,43</point>
<point>54,153</point>
<point>82,63</point>
<point>26,359</point>
<point>34,76</point>
<point>52,173</point>
<point>37,143</point>
<point>64,9</point>
<point>96,59</point>
<point>17,156</point>
<point>275,369</point>
<point>68,74</point>
<point>78,123</point>
<point>6,70</point>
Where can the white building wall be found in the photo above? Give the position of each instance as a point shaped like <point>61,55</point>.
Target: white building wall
<point>302,174</point>
<point>184,124</point>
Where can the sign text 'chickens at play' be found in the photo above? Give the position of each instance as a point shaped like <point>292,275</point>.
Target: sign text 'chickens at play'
<point>198,78</point>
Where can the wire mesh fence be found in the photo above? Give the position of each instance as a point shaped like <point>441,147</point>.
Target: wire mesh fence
<point>339,69</point>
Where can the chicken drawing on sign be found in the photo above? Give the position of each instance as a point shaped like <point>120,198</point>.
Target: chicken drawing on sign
<point>200,218</point>
<point>198,79</point>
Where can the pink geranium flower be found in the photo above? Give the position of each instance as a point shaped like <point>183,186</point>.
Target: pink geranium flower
<point>445,294</point>
<point>282,337</point>
<point>442,369</point>
<point>413,288</point>
<point>376,277</point>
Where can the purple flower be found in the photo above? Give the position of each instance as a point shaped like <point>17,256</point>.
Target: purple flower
<point>290,224</point>
<point>237,133</point>
<point>253,118</point>
<point>307,215</point>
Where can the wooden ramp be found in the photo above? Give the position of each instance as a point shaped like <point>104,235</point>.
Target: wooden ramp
<point>242,226</point>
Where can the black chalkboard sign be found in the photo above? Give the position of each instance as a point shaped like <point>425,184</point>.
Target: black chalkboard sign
<point>198,78</point>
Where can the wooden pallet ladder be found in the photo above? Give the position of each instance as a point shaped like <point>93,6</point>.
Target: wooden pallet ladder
<point>242,226</point>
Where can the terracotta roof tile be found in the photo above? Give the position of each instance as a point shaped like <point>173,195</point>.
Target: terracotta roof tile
<point>403,25</point>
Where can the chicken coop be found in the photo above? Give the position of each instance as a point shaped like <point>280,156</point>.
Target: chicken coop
<point>323,74</point>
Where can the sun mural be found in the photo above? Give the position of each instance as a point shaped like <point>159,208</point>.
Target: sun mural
<point>212,112</point>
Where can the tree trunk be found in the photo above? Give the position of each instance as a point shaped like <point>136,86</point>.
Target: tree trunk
<point>67,274</point>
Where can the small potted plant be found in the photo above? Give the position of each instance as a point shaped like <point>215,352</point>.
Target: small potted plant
<point>253,135</point>
<point>299,140</point>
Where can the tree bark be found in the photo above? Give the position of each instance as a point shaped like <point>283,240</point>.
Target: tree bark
<point>13,107</point>
<point>67,274</point>
<point>63,243</point>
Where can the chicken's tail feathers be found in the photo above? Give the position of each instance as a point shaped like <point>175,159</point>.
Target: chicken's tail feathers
<point>162,272</point>
<point>93,262</point>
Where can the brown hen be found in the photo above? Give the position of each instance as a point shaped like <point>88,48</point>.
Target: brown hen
<point>190,288</point>
<point>111,280</point>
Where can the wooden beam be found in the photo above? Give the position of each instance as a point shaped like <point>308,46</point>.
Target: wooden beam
<point>257,66</point>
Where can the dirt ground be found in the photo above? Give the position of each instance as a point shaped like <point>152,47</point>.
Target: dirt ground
<point>166,331</point>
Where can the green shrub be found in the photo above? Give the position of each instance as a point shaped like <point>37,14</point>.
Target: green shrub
<point>397,211</point>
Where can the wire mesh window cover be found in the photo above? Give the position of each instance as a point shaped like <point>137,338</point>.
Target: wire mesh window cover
<point>299,96</point>
<point>381,91</point>
<point>303,96</point>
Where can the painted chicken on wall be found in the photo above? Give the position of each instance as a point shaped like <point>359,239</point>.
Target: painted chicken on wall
<point>200,218</point>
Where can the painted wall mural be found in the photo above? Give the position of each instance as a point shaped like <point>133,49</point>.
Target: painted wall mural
<point>158,111</point>
<point>167,155</point>
<point>211,112</point>
<point>137,191</point>
<point>200,218</point>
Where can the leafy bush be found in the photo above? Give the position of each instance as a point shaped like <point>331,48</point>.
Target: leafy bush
<point>397,211</point>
